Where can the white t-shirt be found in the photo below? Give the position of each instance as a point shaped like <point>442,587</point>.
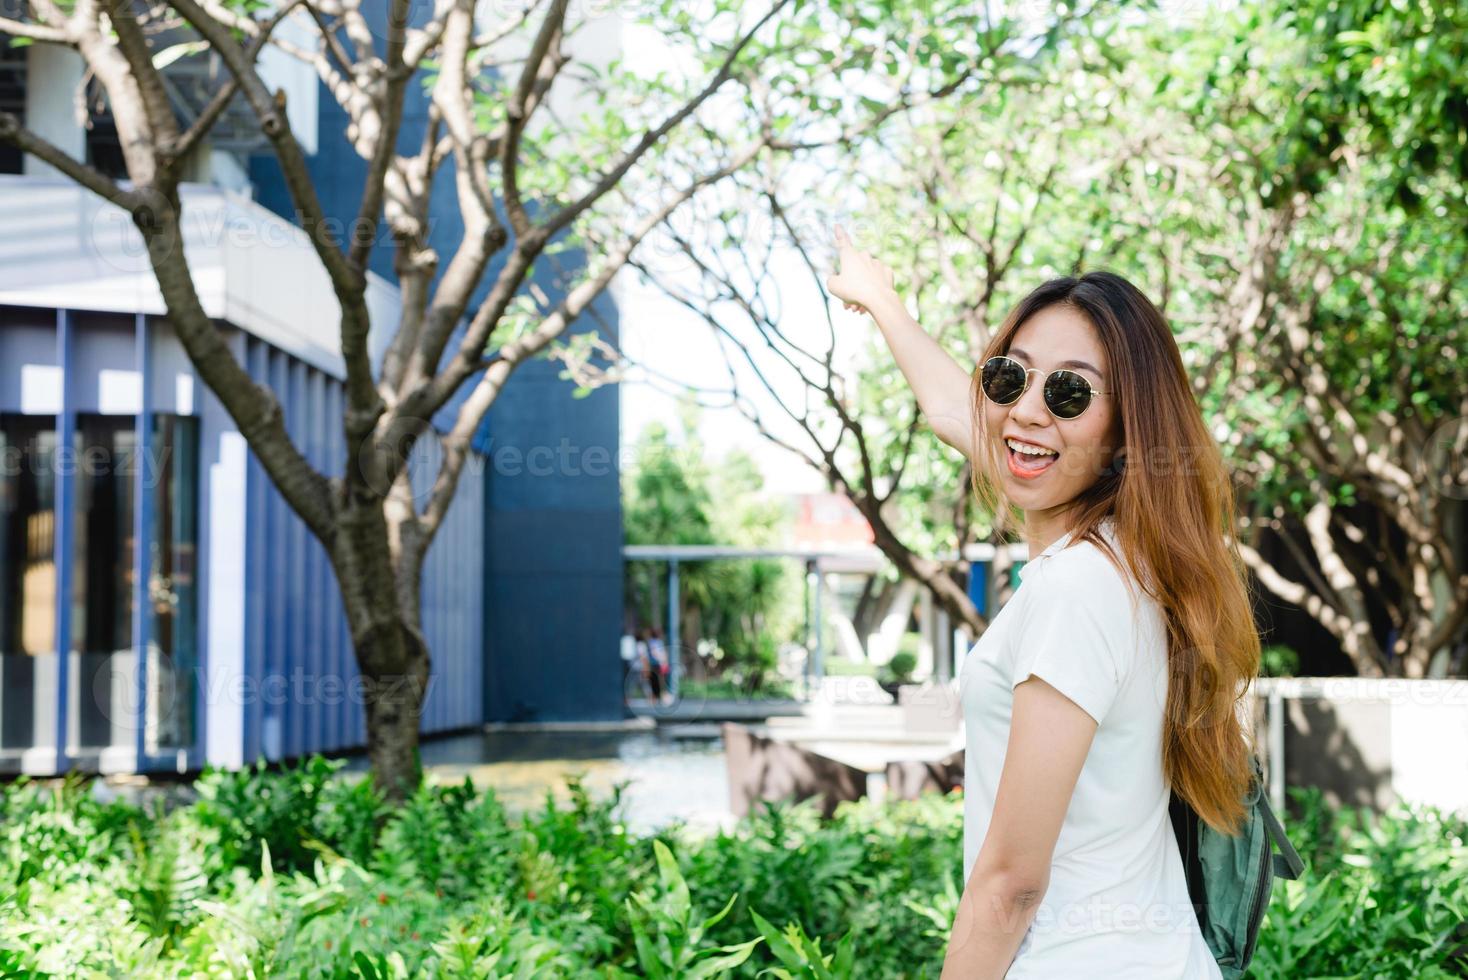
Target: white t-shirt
<point>1117,904</point>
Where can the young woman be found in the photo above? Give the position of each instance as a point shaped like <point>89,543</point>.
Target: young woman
<point>1112,675</point>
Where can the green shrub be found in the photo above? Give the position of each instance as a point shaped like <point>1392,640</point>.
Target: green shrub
<point>899,669</point>
<point>1278,661</point>
<point>451,885</point>
<point>839,667</point>
<point>1380,897</point>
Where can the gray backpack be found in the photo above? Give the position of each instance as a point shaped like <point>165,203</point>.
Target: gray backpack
<point>1229,878</point>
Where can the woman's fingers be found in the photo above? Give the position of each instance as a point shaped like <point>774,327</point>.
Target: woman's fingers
<point>856,267</point>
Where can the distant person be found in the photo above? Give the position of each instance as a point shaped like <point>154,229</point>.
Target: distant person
<point>651,676</point>
<point>629,660</point>
<point>1107,682</point>
<point>659,651</point>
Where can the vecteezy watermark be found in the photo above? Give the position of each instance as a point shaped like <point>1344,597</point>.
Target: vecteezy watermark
<point>421,447</point>
<point>215,223</point>
<point>510,459</point>
<point>1093,916</point>
<point>89,462</point>
<point>298,688</point>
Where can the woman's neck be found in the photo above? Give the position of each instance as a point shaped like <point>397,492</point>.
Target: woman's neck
<point>1041,530</point>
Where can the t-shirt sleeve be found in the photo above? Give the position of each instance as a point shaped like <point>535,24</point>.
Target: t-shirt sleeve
<point>1076,636</point>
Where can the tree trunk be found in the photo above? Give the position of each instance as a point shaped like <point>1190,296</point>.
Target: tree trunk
<point>380,577</point>
<point>925,571</point>
<point>394,704</point>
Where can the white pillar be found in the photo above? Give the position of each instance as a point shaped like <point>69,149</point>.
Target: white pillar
<point>53,76</point>
<point>227,682</point>
<point>927,628</point>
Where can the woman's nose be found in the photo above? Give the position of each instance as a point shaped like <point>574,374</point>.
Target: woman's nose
<point>1031,405</point>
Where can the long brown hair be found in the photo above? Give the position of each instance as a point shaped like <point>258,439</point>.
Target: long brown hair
<point>1172,502</point>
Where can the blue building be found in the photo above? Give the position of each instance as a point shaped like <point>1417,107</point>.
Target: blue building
<point>160,605</point>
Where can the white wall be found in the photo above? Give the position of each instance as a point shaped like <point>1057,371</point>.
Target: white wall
<point>294,79</point>
<point>65,248</point>
<point>53,76</point>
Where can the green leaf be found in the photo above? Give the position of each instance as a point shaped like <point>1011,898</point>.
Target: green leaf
<point>735,955</point>
<point>713,920</point>
<point>673,882</point>
<point>779,945</point>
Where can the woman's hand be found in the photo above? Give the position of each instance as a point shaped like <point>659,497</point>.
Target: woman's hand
<point>861,280</point>
<point>941,385</point>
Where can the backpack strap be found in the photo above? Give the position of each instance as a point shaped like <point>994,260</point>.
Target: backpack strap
<point>1287,863</point>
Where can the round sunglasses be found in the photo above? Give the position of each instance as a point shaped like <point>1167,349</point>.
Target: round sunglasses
<point>1067,394</point>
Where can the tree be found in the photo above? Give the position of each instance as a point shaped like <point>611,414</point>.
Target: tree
<point>1330,277</point>
<point>952,194</point>
<point>527,188</point>
<point>676,495</point>
<point>747,253</point>
<point>1289,184</point>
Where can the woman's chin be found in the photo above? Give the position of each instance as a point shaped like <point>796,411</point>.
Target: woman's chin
<point>1028,496</point>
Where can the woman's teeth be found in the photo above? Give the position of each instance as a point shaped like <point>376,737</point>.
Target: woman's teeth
<point>1029,450</point>
<point>1027,461</point>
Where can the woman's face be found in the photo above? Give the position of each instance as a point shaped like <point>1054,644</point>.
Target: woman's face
<point>1082,447</point>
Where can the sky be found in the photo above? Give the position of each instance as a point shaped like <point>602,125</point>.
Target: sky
<point>669,340</point>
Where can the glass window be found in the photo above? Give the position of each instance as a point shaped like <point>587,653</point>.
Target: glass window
<point>102,679</point>
<point>12,93</point>
<point>171,477</point>
<point>102,581</point>
<point>27,578</point>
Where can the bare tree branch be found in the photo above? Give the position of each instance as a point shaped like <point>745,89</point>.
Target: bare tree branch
<point>12,132</point>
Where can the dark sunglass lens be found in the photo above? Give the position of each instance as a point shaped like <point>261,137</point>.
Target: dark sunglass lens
<point>1067,394</point>
<point>1003,380</point>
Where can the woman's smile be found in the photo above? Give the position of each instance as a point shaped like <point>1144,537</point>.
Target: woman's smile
<point>1031,460</point>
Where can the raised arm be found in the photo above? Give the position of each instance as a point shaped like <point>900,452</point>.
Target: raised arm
<point>940,383</point>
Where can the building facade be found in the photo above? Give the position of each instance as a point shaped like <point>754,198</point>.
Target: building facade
<point>161,607</point>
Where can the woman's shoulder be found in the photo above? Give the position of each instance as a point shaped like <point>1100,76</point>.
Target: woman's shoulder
<point>1084,573</point>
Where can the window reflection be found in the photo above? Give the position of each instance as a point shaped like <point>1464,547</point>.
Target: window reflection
<point>27,578</point>
<point>103,708</point>
<point>172,581</point>
<point>102,581</point>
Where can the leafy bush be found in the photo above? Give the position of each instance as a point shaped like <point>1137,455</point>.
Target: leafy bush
<point>1278,661</point>
<point>1380,897</point>
<point>728,688</point>
<point>451,885</point>
<point>902,665</point>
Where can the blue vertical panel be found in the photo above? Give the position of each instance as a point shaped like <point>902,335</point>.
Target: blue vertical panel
<point>978,585</point>
<point>433,634</point>
<point>258,576</point>
<point>438,629</point>
<point>143,496</point>
<point>355,721</point>
<point>452,574</point>
<point>299,597</point>
<point>340,729</point>
<point>65,517</point>
<point>277,554</point>
<point>471,621</point>
<point>426,457</point>
<point>318,703</point>
<point>471,643</point>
